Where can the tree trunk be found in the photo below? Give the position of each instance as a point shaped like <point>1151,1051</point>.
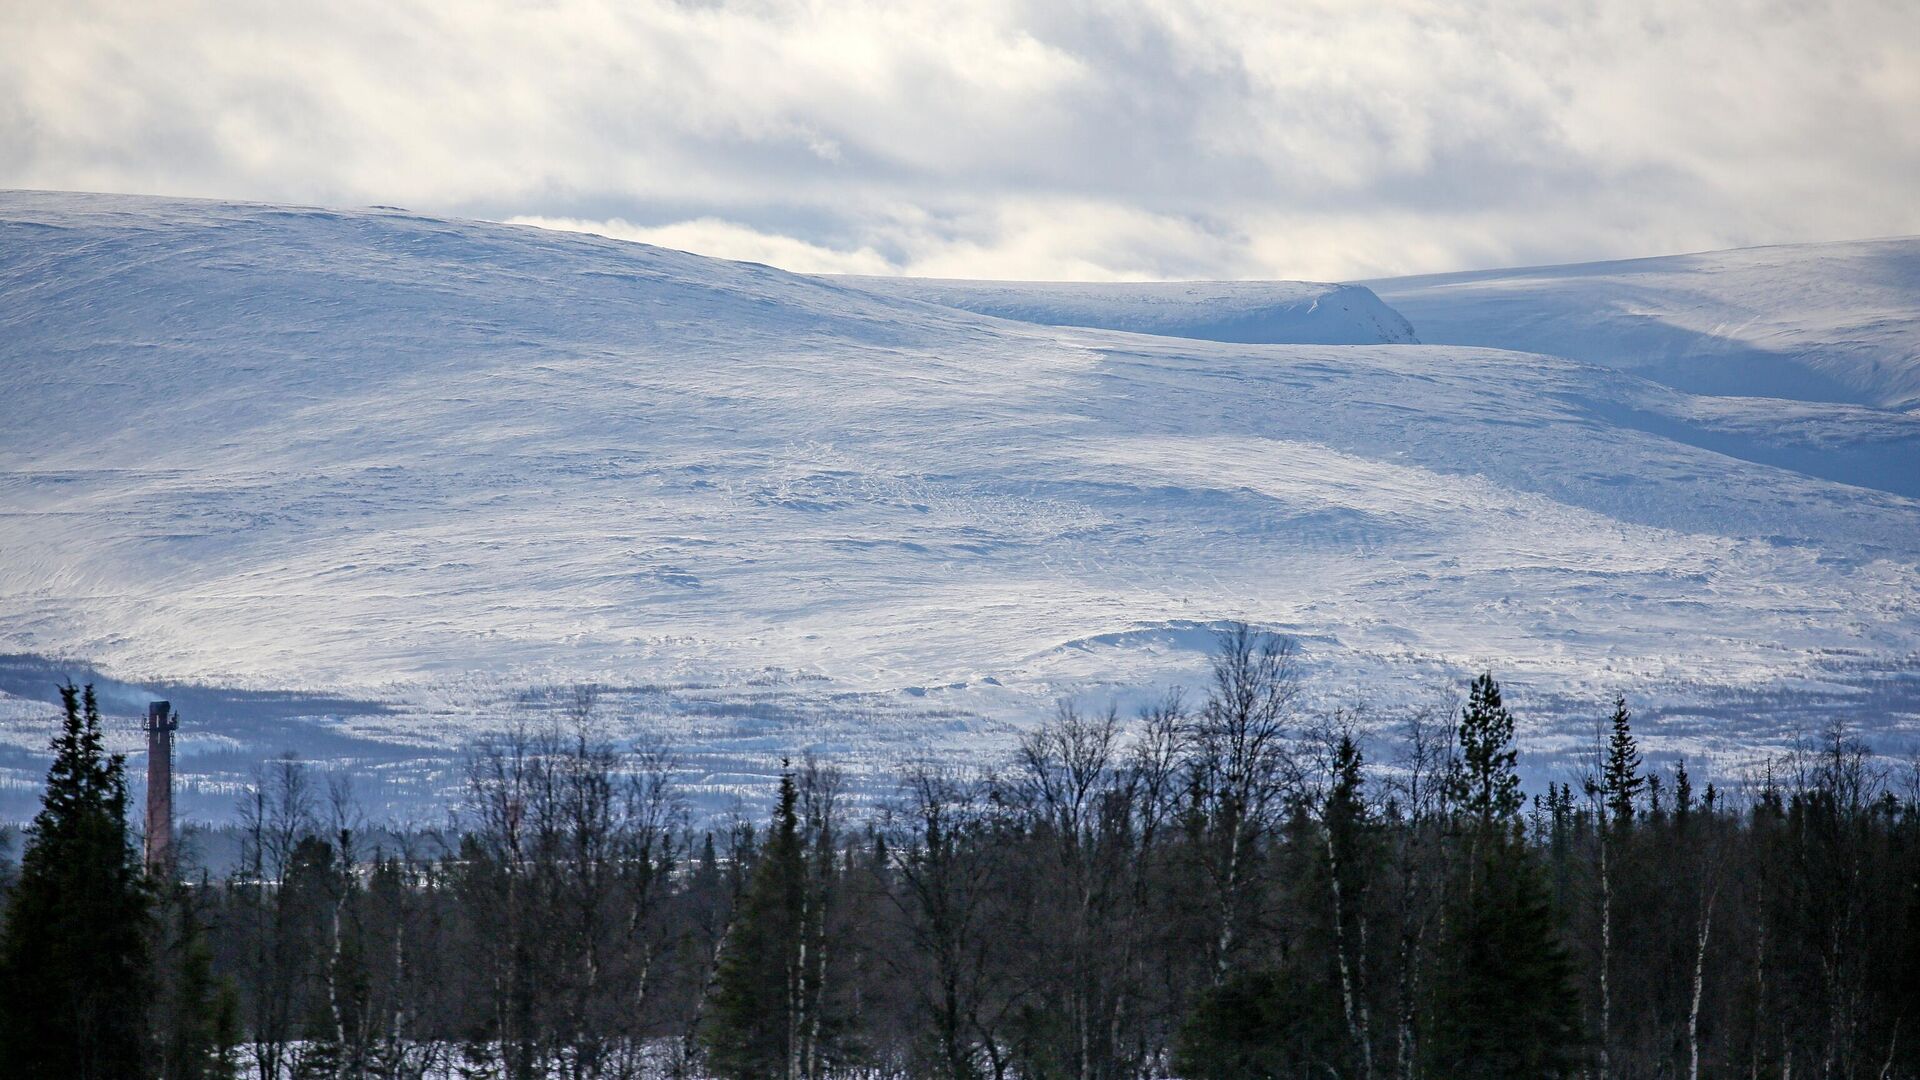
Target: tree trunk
<point>1606,954</point>
<point>1358,1023</point>
<point>1699,972</point>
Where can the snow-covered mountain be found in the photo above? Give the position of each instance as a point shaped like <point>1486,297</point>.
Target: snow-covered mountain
<point>437,465</point>
<point>1825,322</point>
<point>1248,312</point>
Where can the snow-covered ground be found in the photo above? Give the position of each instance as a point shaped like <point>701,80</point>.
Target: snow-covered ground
<point>1248,312</point>
<point>439,466</point>
<point>1826,322</point>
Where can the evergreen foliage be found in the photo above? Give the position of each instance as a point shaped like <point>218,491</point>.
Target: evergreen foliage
<point>1234,890</point>
<point>1484,782</point>
<point>74,963</point>
<point>1504,1007</point>
<point>750,1023</point>
<point>197,1015</point>
<point>1620,778</point>
<point>1262,1025</point>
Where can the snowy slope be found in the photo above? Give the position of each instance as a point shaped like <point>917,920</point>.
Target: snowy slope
<point>1248,312</point>
<point>435,463</point>
<point>1823,322</point>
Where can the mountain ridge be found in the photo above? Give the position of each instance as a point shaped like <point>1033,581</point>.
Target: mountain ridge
<point>426,462</point>
<point>1835,322</point>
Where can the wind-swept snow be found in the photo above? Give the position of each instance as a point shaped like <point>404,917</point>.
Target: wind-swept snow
<point>1247,312</point>
<point>1822,322</point>
<point>391,456</point>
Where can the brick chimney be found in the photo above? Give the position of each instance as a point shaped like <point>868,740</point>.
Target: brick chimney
<point>161,724</point>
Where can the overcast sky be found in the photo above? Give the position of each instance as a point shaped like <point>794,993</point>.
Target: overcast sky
<point>998,138</point>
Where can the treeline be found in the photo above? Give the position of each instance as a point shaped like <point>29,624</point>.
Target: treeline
<point>1215,888</point>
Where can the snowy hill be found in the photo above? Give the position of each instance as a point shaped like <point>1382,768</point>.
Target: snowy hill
<point>440,464</point>
<point>1248,312</point>
<point>1823,322</point>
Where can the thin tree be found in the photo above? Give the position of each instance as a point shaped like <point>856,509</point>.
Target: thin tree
<point>1345,825</point>
<point>1241,770</point>
<point>1619,783</point>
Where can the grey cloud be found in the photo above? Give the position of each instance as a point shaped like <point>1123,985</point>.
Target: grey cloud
<point>1020,138</point>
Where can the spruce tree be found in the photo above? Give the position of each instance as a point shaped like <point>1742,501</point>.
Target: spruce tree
<point>1482,782</point>
<point>1263,1025</point>
<point>74,967</point>
<point>1504,1006</point>
<point>748,1031</point>
<point>196,1013</point>
<point>1621,779</point>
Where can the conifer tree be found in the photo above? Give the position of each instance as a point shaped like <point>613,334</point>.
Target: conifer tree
<point>1621,779</point>
<point>1261,1025</point>
<point>74,966</point>
<point>1482,782</point>
<point>1504,1006</point>
<point>1619,782</point>
<point>748,1033</point>
<point>197,1015</point>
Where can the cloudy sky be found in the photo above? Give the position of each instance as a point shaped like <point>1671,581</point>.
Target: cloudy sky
<point>1007,138</point>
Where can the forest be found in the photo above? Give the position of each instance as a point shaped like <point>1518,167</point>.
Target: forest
<point>1226,885</point>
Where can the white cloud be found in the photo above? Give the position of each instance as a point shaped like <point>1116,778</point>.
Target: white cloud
<point>1020,138</point>
<point>728,240</point>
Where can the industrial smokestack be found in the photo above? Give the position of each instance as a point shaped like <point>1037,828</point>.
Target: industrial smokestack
<point>161,724</point>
